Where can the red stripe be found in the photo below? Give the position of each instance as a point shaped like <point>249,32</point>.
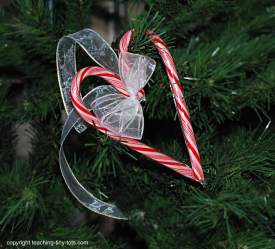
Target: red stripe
<point>83,73</point>
<point>169,72</point>
<point>109,75</point>
<point>79,106</point>
<point>190,146</point>
<point>100,74</point>
<point>142,149</point>
<point>179,84</point>
<point>159,40</point>
<point>173,76</point>
<point>182,110</point>
<point>102,129</point>
<point>174,163</point>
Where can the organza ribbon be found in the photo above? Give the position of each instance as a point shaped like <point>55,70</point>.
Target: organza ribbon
<point>101,53</point>
<point>116,107</point>
<point>121,114</point>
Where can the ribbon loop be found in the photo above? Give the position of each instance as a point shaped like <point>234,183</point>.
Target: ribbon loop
<point>135,71</point>
<point>96,48</point>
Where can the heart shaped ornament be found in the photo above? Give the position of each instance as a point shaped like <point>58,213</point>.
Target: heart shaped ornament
<point>115,109</point>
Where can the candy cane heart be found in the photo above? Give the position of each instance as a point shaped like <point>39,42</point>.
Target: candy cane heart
<point>116,109</point>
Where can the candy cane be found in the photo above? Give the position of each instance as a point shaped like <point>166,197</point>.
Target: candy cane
<point>195,173</point>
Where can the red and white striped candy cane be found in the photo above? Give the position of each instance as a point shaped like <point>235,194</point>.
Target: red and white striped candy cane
<point>195,173</point>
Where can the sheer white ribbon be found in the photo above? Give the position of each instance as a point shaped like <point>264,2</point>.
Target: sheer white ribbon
<point>121,114</point>
<point>134,74</point>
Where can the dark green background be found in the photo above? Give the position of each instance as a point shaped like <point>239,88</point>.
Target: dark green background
<point>224,52</point>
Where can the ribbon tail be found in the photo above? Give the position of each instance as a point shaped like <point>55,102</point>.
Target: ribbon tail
<point>86,198</point>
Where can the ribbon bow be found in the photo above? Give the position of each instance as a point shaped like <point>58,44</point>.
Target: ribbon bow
<point>120,114</point>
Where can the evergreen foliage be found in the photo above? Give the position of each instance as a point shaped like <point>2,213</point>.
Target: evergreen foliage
<point>224,52</point>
